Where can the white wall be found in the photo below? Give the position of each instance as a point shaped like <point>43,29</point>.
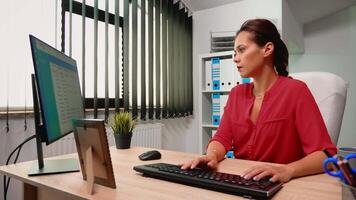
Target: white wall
<point>292,30</point>
<point>229,18</point>
<point>330,45</point>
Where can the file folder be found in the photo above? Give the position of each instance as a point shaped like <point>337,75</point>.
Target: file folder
<point>215,73</point>
<point>237,78</point>
<point>246,80</point>
<point>215,97</point>
<point>228,73</point>
<point>213,133</point>
<point>223,100</point>
<point>230,154</point>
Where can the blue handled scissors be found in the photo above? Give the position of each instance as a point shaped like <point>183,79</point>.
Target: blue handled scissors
<point>338,173</point>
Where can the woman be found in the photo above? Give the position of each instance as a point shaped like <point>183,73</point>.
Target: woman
<point>274,119</point>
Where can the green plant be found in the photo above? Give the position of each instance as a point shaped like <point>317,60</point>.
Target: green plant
<point>122,123</point>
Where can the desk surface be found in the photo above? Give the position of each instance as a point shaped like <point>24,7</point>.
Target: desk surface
<point>131,185</point>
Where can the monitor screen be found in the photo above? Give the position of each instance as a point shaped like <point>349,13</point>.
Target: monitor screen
<point>58,89</point>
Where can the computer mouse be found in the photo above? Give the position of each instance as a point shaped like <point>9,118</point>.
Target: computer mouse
<point>150,155</point>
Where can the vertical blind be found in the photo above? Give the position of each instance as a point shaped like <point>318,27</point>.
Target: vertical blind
<point>156,50</point>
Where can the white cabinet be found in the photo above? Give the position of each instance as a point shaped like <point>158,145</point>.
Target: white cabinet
<point>228,77</point>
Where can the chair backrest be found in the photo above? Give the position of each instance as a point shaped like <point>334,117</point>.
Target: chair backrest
<point>329,92</point>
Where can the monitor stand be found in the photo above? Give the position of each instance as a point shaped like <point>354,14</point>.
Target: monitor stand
<point>54,167</point>
<point>50,166</point>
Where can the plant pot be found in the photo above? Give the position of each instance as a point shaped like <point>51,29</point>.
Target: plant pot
<point>123,141</point>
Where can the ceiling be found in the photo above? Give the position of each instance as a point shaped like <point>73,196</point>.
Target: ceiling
<point>196,5</point>
<point>304,11</point>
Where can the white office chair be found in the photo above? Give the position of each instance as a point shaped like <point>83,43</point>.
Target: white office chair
<point>329,92</point>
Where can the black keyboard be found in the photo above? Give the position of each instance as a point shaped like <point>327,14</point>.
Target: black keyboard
<point>204,178</point>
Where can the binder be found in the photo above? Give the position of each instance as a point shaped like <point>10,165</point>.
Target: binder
<point>246,80</point>
<point>230,154</point>
<point>208,82</point>
<point>215,73</point>
<point>227,74</point>
<point>223,100</point>
<point>215,98</point>
<point>213,133</point>
<point>237,78</point>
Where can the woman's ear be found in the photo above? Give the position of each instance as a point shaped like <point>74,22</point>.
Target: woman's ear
<point>268,49</point>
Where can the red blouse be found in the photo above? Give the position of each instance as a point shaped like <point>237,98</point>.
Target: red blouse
<point>289,125</point>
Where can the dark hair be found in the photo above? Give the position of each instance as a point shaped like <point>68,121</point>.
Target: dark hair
<point>265,31</point>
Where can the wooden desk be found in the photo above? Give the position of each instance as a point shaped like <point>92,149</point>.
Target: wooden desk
<point>131,185</point>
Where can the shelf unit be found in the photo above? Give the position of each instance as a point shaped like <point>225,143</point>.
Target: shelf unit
<point>205,102</point>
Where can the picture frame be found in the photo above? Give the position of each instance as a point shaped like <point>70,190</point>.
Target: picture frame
<point>93,152</point>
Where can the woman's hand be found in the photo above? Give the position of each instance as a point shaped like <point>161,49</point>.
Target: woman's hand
<point>281,173</point>
<point>209,160</point>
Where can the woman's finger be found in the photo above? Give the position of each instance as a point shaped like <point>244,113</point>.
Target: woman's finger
<point>263,174</point>
<point>186,165</point>
<point>249,170</point>
<point>212,164</point>
<point>195,163</point>
<point>275,178</point>
<point>255,172</point>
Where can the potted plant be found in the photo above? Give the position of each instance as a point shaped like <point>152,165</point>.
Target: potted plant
<point>122,125</point>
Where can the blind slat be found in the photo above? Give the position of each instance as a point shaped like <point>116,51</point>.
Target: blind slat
<point>175,66</point>
<point>95,59</point>
<point>150,59</point>
<point>83,53</point>
<point>158,57</point>
<point>106,59</point>
<point>117,55</point>
<point>70,26</point>
<point>126,54</point>
<point>63,27</point>
<point>184,66</point>
<point>181,80</point>
<point>164,57</point>
<point>143,59</point>
<point>190,42</point>
<point>134,58</point>
<point>170,59</point>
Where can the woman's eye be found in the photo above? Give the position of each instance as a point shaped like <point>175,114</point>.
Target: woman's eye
<point>241,50</point>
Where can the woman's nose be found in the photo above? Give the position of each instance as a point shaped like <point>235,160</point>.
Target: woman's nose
<point>236,58</point>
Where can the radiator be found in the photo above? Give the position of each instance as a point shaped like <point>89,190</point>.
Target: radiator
<point>144,135</point>
<point>147,135</point>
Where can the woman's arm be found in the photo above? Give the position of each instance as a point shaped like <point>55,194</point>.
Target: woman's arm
<point>310,164</point>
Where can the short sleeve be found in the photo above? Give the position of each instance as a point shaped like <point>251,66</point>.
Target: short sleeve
<point>310,125</point>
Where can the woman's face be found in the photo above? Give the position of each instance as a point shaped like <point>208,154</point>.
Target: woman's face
<point>248,55</point>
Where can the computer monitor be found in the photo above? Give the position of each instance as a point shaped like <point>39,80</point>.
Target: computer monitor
<point>57,100</point>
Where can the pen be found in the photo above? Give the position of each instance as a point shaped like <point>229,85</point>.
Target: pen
<point>352,175</point>
<point>345,172</point>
